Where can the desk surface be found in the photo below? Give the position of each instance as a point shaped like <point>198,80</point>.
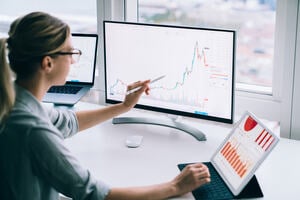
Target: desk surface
<point>102,150</point>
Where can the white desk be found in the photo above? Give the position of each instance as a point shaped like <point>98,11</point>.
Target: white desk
<point>102,150</point>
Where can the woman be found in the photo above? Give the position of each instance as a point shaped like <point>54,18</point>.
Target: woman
<point>34,163</point>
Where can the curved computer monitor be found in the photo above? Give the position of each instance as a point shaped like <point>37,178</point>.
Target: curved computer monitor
<point>198,65</point>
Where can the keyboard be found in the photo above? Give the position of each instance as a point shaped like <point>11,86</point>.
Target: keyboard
<point>215,190</point>
<point>64,89</point>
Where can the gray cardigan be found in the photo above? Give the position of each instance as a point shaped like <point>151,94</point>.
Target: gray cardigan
<point>34,162</point>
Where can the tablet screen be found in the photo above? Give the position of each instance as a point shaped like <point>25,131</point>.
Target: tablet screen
<point>243,151</point>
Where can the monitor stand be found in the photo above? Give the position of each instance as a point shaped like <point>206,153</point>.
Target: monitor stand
<point>162,122</point>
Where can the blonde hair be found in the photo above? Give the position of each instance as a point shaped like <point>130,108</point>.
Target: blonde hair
<point>31,37</point>
<point>7,94</point>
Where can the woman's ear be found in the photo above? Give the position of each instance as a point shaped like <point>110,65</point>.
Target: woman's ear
<point>47,64</point>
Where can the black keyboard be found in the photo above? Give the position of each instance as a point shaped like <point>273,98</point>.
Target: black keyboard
<point>216,189</point>
<point>64,89</point>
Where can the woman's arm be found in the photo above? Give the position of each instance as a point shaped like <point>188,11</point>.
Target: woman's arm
<point>89,118</point>
<point>193,176</point>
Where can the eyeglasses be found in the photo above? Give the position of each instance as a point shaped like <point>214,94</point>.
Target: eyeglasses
<point>75,53</point>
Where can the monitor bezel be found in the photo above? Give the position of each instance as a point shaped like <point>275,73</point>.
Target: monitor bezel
<point>172,111</point>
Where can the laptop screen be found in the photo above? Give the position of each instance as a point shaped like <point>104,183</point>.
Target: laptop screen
<point>84,70</point>
<point>243,151</point>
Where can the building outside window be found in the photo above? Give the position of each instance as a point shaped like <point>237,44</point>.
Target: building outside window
<point>254,21</point>
<point>80,15</point>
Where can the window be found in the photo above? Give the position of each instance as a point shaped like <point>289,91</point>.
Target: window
<point>254,21</point>
<point>80,15</point>
<point>273,98</point>
<point>256,61</point>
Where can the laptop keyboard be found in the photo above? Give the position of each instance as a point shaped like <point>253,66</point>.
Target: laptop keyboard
<point>64,89</point>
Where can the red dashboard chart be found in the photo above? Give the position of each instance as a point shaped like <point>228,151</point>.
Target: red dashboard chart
<point>243,150</point>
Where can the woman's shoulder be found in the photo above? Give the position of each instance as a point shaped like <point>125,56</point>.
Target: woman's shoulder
<point>21,117</point>
<point>22,121</point>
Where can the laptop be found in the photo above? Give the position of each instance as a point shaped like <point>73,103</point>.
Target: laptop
<point>233,164</point>
<point>82,74</point>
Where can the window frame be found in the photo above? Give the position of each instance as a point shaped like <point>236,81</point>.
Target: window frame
<point>275,105</point>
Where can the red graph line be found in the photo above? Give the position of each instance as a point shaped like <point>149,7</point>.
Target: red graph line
<point>259,135</point>
<point>201,56</point>
<point>270,144</point>
<point>264,140</point>
<point>264,144</point>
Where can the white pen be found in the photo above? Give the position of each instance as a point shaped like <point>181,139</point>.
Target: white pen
<point>152,81</point>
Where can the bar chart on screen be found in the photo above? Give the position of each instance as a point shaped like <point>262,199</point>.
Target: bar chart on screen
<point>236,159</point>
<point>243,149</point>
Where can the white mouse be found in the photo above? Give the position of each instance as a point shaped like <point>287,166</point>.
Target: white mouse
<point>133,141</point>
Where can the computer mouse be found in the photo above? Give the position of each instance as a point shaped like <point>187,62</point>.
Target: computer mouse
<point>133,141</point>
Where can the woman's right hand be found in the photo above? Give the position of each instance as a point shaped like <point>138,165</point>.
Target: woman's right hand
<point>132,98</point>
<point>191,177</point>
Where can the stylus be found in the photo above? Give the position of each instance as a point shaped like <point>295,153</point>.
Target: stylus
<point>137,88</point>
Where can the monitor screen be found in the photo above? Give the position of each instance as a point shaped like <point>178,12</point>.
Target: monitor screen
<point>84,70</point>
<point>198,65</point>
